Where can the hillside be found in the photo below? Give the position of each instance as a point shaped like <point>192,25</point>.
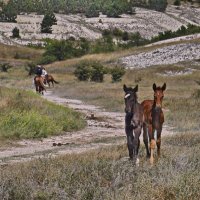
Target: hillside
<point>148,22</point>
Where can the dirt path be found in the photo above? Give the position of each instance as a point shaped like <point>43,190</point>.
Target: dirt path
<point>103,129</point>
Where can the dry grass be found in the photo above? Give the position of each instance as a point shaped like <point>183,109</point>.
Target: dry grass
<point>24,53</point>
<point>107,174</point>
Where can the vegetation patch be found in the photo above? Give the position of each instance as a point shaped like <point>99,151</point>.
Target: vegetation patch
<point>106,174</point>
<point>26,115</point>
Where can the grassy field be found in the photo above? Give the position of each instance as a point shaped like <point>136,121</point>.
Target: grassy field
<point>107,173</point>
<point>25,114</point>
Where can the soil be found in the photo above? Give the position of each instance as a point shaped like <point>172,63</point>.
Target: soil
<point>103,129</point>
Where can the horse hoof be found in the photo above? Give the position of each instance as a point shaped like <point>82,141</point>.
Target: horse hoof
<point>137,161</point>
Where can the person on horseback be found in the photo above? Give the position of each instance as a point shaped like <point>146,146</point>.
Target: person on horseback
<point>44,75</point>
<point>38,70</point>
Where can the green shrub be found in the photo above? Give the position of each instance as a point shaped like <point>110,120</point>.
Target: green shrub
<point>47,59</point>
<point>83,71</point>
<point>92,10</point>
<point>92,71</point>
<point>97,72</point>
<point>117,73</point>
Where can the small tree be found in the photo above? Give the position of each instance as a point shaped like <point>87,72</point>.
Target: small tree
<point>15,33</point>
<point>48,21</point>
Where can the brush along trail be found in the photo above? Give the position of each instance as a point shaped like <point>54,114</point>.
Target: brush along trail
<point>103,129</point>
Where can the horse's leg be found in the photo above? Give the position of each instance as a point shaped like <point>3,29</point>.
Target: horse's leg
<point>146,139</point>
<point>152,143</point>
<point>37,88</point>
<point>158,142</point>
<point>129,134</point>
<point>136,143</point>
<point>52,83</point>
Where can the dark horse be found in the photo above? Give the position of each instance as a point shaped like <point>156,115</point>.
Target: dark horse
<point>133,121</point>
<point>39,84</point>
<point>49,79</point>
<point>153,121</point>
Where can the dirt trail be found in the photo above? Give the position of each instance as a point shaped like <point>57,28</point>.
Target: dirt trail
<point>103,129</point>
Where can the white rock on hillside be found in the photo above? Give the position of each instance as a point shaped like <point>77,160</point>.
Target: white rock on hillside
<point>162,56</point>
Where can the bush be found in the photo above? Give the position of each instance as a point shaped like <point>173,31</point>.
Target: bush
<point>92,71</point>
<point>83,71</point>
<point>97,72</point>
<point>115,8</point>
<point>92,10</point>
<point>117,73</point>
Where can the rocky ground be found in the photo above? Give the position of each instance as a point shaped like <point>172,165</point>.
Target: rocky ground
<point>164,55</point>
<point>148,22</point>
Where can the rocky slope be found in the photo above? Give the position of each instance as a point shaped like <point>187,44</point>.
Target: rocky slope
<point>149,23</point>
<point>165,55</point>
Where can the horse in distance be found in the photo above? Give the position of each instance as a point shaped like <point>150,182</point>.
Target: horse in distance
<point>39,84</point>
<point>50,79</point>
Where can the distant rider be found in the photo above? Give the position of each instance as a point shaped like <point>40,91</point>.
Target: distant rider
<point>44,75</point>
<point>40,71</point>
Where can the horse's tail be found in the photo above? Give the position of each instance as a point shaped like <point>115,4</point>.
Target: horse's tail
<point>55,81</point>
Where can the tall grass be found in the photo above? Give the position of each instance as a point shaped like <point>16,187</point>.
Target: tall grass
<point>107,174</point>
<point>26,115</point>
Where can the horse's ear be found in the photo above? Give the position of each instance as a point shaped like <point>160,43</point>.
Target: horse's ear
<point>125,88</point>
<point>164,87</point>
<point>136,88</point>
<point>154,87</point>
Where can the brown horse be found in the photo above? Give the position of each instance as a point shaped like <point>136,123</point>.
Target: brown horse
<point>49,79</point>
<point>133,121</point>
<point>39,84</point>
<point>153,121</point>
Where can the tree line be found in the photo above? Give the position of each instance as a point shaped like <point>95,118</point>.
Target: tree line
<point>91,8</point>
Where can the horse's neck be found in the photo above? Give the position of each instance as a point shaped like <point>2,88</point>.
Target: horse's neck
<point>135,107</point>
